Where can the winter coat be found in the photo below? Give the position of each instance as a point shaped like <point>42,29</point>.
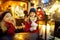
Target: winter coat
<point>28,26</point>
<point>10,28</point>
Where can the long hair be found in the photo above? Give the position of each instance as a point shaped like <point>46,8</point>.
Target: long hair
<point>3,14</point>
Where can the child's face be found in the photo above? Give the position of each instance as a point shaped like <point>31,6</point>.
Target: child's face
<point>32,14</point>
<point>7,17</point>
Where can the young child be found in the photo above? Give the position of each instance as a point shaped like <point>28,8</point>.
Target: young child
<point>34,22</point>
<point>40,13</point>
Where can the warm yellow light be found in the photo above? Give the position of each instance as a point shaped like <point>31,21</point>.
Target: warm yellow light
<point>52,24</point>
<point>54,7</point>
<point>12,9</point>
<point>42,1</point>
<point>33,1</point>
<point>0,2</point>
<point>18,36</point>
<point>57,1</point>
<point>59,10</point>
<point>52,27</point>
<point>21,4</point>
<point>41,22</point>
<point>17,8</point>
<point>40,25</point>
<point>43,28</point>
<point>39,9</point>
<point>48,28</point>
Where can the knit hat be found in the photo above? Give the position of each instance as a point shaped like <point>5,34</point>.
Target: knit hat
<point>32,10</point>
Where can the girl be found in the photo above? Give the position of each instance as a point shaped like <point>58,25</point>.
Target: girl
<point>6,26</point>
<point>34,21</point>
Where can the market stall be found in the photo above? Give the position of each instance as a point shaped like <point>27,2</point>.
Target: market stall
<point>16,7</point>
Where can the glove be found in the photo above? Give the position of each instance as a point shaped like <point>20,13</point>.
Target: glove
<point>31,29</point>
<point>34,24</point>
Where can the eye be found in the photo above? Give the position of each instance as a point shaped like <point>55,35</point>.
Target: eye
<point>7,16</point>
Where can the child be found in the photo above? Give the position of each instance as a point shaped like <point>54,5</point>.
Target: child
<point>34,22</point>
<point>8,28</point>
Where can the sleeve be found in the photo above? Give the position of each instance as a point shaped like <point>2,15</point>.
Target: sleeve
<point>10,28</point>
<point>27,27</point>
